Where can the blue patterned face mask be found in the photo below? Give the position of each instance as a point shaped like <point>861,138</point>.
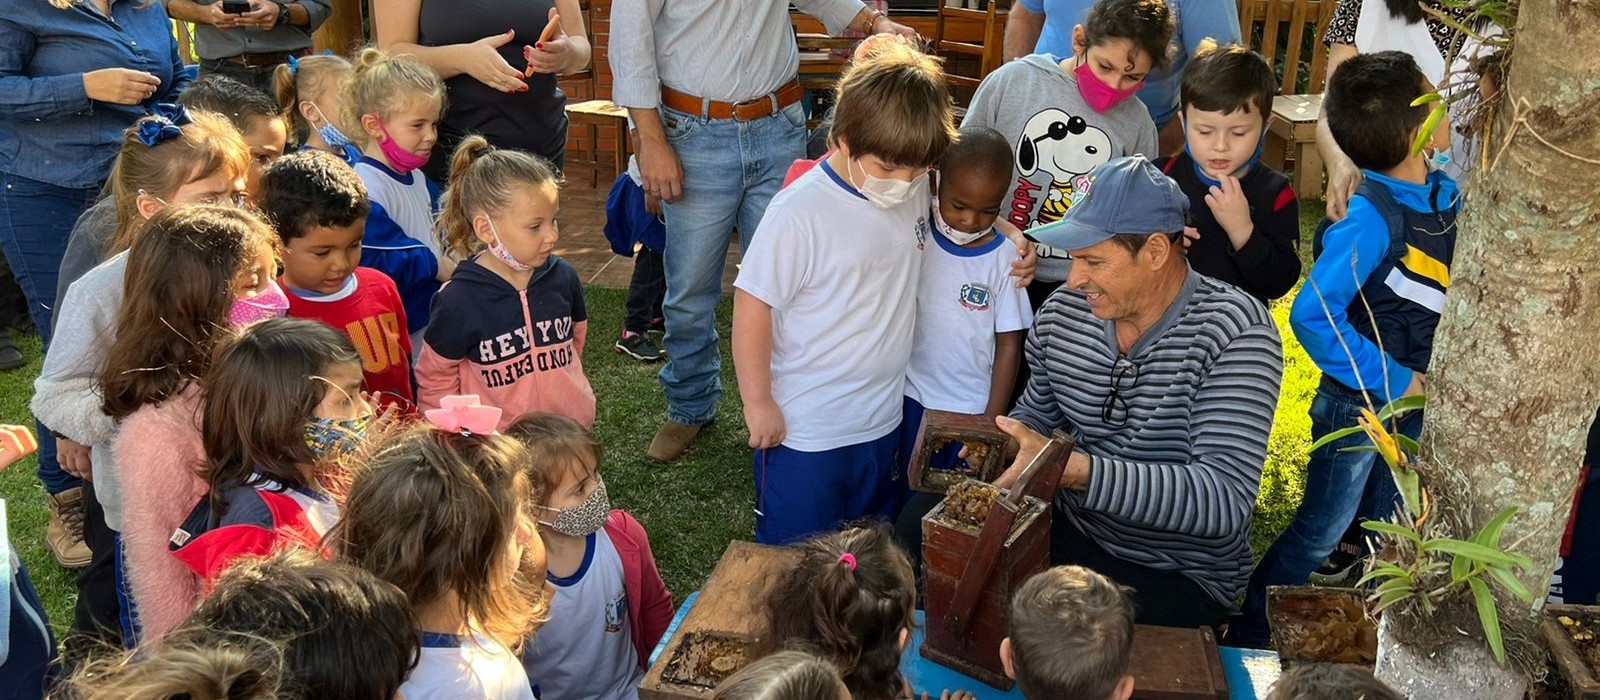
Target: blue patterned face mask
<point>330,133</point>
<point>331,438</point>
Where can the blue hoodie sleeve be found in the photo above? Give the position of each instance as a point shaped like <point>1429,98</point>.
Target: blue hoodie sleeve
<point>415,271</point>
<point>1352,249</point>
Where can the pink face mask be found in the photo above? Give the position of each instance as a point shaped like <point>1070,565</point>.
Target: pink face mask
<point>270,303</point>
<point>403,160</point>
<point>1099,95</point>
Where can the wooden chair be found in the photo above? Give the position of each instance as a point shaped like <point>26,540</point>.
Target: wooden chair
<point>950,41</point>
<point>1283,30</point>
<point>184,31</point>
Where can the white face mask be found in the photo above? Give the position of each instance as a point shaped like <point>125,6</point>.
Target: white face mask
<point>950,232</point>
<point>887,193</point>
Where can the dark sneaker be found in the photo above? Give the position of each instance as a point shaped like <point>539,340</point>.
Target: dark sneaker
<point>1340,567</point>
<point>639,347</point>
<point>10,357</point>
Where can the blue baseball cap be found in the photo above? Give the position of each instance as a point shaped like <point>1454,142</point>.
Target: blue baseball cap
<point>1121,195</point>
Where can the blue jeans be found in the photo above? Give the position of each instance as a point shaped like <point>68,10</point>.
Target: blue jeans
<point>1340,487</point>
<point>731,170</point>
<point>36,219</point>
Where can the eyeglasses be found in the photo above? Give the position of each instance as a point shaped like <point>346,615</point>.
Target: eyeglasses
<point>234,199</point>
<point>1124,375</point>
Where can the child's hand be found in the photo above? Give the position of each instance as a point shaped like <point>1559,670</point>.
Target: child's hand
<point>74,458</point>
<point>652,205</point>
<point>1190,235</point>
<point>1027,262</point>
<point>765,420</point>
<point>1232,210</point>
<point>16,442</point>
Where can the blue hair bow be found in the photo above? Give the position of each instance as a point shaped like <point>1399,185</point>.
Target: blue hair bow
<point>163,123</point>
<point>294,64</point>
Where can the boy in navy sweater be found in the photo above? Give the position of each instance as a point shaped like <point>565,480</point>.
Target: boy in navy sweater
<point>1368,310</point>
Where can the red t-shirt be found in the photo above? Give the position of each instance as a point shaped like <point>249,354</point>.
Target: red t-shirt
<point>374,319</point>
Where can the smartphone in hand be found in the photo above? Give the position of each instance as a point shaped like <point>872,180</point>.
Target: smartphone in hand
<point>235,7</point>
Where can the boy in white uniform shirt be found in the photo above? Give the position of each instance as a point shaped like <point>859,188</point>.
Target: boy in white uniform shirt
<point>971,318</point>
<point>825,303</point>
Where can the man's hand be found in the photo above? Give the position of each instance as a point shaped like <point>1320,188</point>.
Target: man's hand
<point>1232,210</point>
<point>74,458</point>
<point>1027,262</point>
<point>120,86</point>
<point>1029,445</point>
<point>884,25</point>
<point>660,170</point>
<point>263,15</point>
<point>765,420</point>
<point>213,15</point>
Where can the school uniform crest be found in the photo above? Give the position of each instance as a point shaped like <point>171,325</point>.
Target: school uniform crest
<point>922,232</point>
<point>975,296</point>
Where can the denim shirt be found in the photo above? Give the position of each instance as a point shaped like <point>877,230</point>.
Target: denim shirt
<point>49,128</point>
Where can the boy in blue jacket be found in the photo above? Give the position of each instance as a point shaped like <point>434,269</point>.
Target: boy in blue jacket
<point>1390,254</point>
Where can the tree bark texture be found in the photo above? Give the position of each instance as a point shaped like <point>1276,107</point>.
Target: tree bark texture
<point>1516,366</point>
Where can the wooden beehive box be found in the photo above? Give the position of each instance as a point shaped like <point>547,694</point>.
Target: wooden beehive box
<point>948,546</point>
<point>725,620</point>
<point>974,556</point>
<point>1176,663</point>
<point>985,443</point>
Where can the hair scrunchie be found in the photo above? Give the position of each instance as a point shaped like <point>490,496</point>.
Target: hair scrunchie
<point>163,123</point>
<point>849,560</point>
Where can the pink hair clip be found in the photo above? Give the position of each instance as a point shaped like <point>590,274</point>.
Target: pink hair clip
<point>849,560</point>
<point>463,414</point>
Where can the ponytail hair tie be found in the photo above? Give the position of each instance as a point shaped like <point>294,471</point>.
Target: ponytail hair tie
<point>849,560</point>
<point>162,124</point>
<point>294,65</point>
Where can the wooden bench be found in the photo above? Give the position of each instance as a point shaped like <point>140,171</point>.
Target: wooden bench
<point>1283,30</point>
<point>598,115</point>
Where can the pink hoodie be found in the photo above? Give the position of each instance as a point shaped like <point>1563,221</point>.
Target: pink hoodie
<point>159,453</point>
<point>517,349</point>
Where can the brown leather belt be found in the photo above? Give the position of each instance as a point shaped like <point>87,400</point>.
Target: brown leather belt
<point>261,60</point>
<point>771,103</point>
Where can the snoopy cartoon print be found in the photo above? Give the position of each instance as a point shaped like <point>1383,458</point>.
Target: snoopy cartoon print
<point>1061,147</point>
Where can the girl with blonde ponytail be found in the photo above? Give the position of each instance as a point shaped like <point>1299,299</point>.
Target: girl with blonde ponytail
<point>511,324</point>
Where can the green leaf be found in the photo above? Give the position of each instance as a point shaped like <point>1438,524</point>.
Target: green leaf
<point>1335,435</point>
<point>1428,127</point>
<point>1360,448</point>
<point>1407,445</point>
<point>1489,536</point>
<point>1425,99</point>
<point>1383,570</point>
<point>1460,569</point>
<point>1512,584</point>
<point>1489,617</point>
<point>1392,597</point>
<point>1398,583</point>
<point>1473,550</point>
<point>1392,529</point>
<point>1410,486</point>
<point>1401,406</point>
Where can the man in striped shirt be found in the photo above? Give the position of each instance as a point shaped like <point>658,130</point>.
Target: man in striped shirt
<point>1168,380</point>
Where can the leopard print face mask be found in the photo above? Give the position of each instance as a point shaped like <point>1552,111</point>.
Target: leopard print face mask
<point>584,518</point>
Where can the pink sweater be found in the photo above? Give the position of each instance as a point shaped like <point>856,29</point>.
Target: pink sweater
<point>158,451</point>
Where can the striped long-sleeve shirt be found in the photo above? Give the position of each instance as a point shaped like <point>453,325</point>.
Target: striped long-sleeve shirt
<point>1173,488</point>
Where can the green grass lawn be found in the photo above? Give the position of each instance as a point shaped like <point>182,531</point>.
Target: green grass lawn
<point>691,508</point>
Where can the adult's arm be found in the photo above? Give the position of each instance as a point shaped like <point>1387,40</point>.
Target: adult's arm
<point>1352,249</point>
<point>1211,495</point>
<point>26,97</point>
<point>395,27</point>
<point>1343,175</point>
<point>1023,26</point>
